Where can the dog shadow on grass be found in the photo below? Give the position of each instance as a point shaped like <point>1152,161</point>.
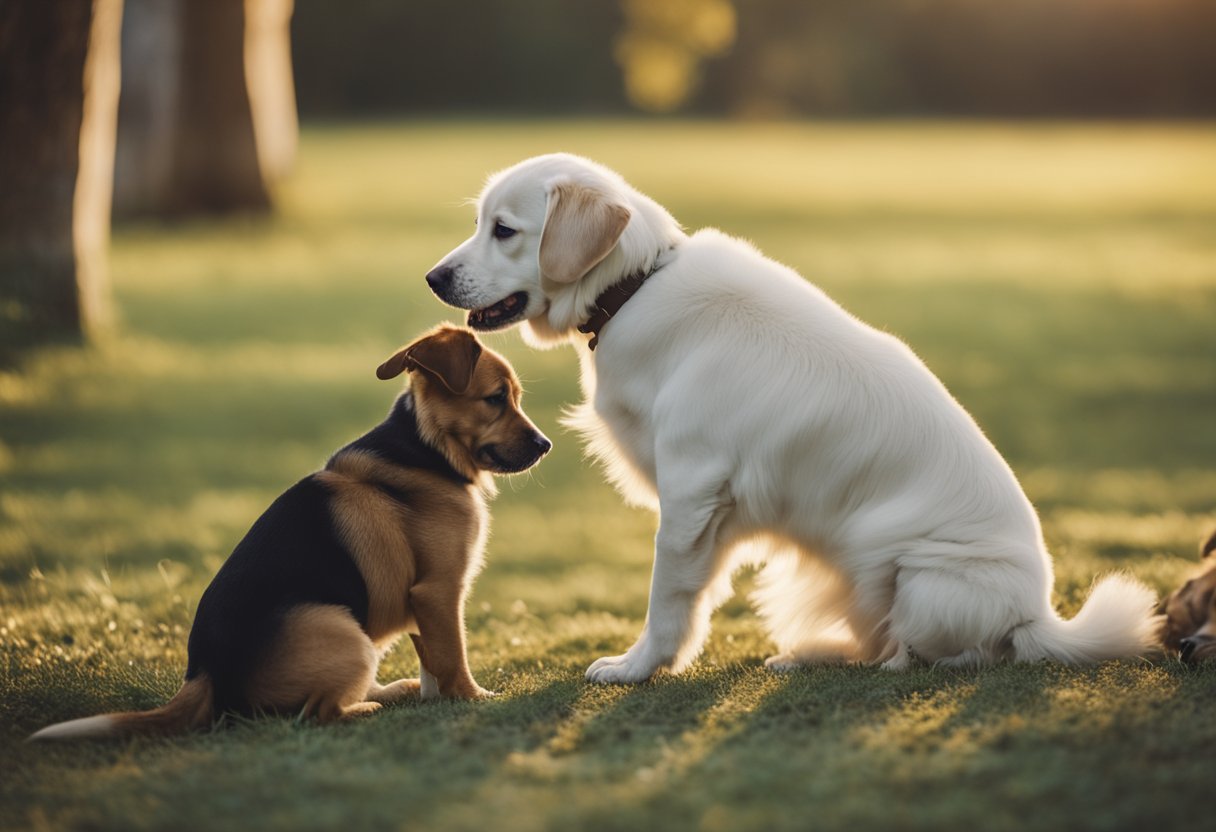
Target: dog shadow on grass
<point>731,746</point>
<point>864,748</point>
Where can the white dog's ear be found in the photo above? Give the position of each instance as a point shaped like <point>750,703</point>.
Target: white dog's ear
<point>582,225</point>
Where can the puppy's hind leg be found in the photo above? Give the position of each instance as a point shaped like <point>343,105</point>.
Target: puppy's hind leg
<point>321,664</point>
<point>397,691</point>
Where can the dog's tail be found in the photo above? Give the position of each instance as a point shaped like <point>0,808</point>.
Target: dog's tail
<point>1117,621</point>
<point>191,707</point>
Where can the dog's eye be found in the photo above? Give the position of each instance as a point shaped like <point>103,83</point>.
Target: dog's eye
<point>502,232</point>
<point>499,398</point>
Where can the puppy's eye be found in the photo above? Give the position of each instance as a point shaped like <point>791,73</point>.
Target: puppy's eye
<point>499,398</point>
<point>502,232</point>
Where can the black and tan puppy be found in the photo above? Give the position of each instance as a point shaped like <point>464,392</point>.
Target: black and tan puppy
<point>385,540</point>
<point>1190,613</point>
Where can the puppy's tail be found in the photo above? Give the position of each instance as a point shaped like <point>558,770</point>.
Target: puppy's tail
<point>191,707</point>
<point>1117,621</point>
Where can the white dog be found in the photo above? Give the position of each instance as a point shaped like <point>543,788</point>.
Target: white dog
<point>768,424</point>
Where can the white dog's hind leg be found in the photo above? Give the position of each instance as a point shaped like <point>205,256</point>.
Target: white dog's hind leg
<point>960,611</point>
<point>902,659</point>
<point>690,559</point>
<point>803,603</point>
<point>833,645</point>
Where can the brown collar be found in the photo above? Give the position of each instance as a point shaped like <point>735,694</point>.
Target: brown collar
<point>610,302</point>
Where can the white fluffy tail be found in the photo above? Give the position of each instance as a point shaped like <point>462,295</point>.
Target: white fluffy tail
<point>1117,621</point>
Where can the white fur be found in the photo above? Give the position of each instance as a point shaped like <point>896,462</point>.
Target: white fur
<point>90,727</point>
<point>429,686</point>
<point>767,424</point>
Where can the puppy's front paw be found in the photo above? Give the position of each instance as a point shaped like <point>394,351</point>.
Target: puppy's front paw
<point>627,669</point>
<point>468,690</point>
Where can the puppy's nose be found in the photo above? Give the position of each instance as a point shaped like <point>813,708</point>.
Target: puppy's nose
<point>542,443</point>
<point>1187,647</point>
<point>439,278</point>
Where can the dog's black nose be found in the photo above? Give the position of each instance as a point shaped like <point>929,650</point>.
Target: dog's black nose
<point>1186,648</point>
<point>439,278</point>
<point>543,445</point>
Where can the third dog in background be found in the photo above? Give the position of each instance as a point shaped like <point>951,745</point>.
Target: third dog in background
<point>1190,613</point>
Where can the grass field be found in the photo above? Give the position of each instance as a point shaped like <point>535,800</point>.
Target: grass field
<point>1060,279</point>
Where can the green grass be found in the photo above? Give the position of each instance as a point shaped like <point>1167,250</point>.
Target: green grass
<point>1060,279</point>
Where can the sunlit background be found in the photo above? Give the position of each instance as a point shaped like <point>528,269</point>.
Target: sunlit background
<point>199,276</point>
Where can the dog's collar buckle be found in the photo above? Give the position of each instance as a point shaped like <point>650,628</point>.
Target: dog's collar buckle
<point>610,302</point>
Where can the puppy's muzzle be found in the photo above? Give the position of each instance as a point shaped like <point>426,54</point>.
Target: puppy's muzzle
<point>516,456</point>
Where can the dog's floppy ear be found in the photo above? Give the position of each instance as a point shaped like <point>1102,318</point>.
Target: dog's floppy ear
<point>396,365</point>
<point>582,225</point>
<point>1208,546</point>
<point>449,354</point>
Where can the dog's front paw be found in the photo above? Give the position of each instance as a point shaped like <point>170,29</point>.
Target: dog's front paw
<point>628,669</point>
<point>782,663</point>
<point>468,690</point>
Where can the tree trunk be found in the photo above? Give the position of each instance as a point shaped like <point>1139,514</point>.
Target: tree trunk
<point>272,91</point>
<point>207,122</point>
<point>147,108</point>
<point>59,79</point>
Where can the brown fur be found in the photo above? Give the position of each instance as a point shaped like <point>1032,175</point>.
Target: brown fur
<point>418,554</point>
<point>323,659</point>
<point>417,551</point>
<point>414,533</point>
<point>190,707</point>
<point>448,423</point>
<point>1190,627</point>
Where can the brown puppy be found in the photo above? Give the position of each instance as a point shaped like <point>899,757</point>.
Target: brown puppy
<point>385,540</point>
<point>1190,626</point>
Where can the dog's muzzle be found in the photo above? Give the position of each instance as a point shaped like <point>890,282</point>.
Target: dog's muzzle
<point>442,279</point>
<point>1196,648</point>
<point>516,457</point>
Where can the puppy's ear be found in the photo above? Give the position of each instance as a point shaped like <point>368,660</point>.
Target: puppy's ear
<point>449,354</point>
<point>582,225</point>
<point>1208,546</point>
<point>396,365</point>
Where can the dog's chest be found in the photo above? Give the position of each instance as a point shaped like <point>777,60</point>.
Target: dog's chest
<point>479,526</point>
<point>629,427</point>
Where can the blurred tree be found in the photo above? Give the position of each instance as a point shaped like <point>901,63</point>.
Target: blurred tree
<point>664,43</point>
<point>207,121</point>
<point>59,80</point>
